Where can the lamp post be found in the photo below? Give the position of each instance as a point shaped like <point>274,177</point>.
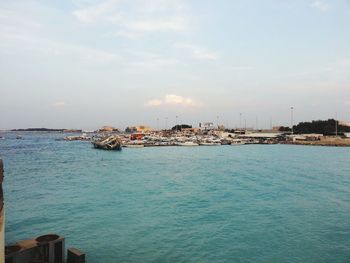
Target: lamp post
<point>176,123</point>
<point>157,124</point>
<point>240,121</point>
<point>166,123</point>
<point>217,121</point>
<point>291,118</point>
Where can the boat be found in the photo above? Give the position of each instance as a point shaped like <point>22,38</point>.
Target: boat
<point>237,142</point>
<point>108,143</point>
<point>135,144</point>
<point>209,144</point>
<point>82,137</point>
<point>188,144</point>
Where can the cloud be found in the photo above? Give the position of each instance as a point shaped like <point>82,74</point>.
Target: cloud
<point>169,24</point>
<point>154,103</point>
<point>174,100</point>
<point>241,68</point>
<point>152,64</point>
<point>320,5</point>
<point>103,11</point>
<point>198,52</point>
<point>133,19</point>
<point>58,104</point>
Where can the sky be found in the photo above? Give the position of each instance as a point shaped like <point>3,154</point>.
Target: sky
<point>88,63</point>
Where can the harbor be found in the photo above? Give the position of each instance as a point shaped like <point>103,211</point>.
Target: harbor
<point>192,137</point>
<point>177,203</point>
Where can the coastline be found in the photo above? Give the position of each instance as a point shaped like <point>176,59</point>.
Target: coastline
<point>329,143</point>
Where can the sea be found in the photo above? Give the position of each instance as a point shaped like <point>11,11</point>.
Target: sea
<point>248,203</point>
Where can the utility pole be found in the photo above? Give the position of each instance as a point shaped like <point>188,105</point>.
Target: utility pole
<point>291,118</point>
<point>240,121</point>
<point>166,123</point>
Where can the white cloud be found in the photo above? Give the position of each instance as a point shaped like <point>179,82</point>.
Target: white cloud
<point>198,52</point>
<point>174,100</point>
<point>132,19</point>
<point>58,104</point>
<point>168,24</point>
<point>320,5</point>
<point>154,103</point>
<point>152,64</point>
<point>95,13</point>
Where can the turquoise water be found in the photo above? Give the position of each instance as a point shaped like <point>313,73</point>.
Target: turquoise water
<point>253,203</point>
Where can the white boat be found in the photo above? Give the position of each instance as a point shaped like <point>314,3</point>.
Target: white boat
<point>238,142</point>
<point>188,144</point>
<point>209,144</point>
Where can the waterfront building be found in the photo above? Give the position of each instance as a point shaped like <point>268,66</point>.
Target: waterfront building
<point>206,125</point>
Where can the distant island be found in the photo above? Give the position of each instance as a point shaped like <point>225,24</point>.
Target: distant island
<point>46,130</point>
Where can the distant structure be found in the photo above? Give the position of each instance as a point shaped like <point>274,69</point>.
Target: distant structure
<point>108,129</point>
<point>139,129</point>
<point>206,125</point>
<point>276,128</point>
<point>344,123</point>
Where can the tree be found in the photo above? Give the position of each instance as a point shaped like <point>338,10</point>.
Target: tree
<point>326,127</point>
<point>180,127</point>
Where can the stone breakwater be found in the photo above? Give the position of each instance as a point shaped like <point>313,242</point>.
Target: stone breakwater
<point>328,141</point>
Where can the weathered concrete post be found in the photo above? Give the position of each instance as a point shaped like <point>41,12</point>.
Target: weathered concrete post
<point>2,215</point>
<point>75,256</point>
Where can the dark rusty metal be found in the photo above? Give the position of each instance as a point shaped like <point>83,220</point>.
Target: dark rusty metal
<point>47,238</point>
<point>12,249</point>
<point>75,256</point>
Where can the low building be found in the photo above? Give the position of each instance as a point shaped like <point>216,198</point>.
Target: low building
<point>206,125</point>
<point>108,129</point>
<point>344,123</point>
<point>262,135</point>
<point>143,128</point>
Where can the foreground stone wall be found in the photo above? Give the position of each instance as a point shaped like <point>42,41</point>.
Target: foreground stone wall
<point>2,215</point>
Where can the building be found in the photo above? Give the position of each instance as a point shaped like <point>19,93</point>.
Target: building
<point>108,129</point>
<point>206,125</point>
<point>138,129</point>
<point>344,123</point>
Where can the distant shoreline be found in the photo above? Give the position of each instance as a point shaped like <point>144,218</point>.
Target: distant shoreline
<point>338,143</point>
<point>44,130</point>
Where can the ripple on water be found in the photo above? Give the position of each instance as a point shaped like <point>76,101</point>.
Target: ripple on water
<point>253,203</point>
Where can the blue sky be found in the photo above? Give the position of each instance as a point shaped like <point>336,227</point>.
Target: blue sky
<point>88,63</point>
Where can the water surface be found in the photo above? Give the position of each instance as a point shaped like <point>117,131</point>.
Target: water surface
<point>251,203</point>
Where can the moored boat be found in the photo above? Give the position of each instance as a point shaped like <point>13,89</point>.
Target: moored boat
<point>188,144</point>
<point>237,142</point>
<point>108,143</point>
